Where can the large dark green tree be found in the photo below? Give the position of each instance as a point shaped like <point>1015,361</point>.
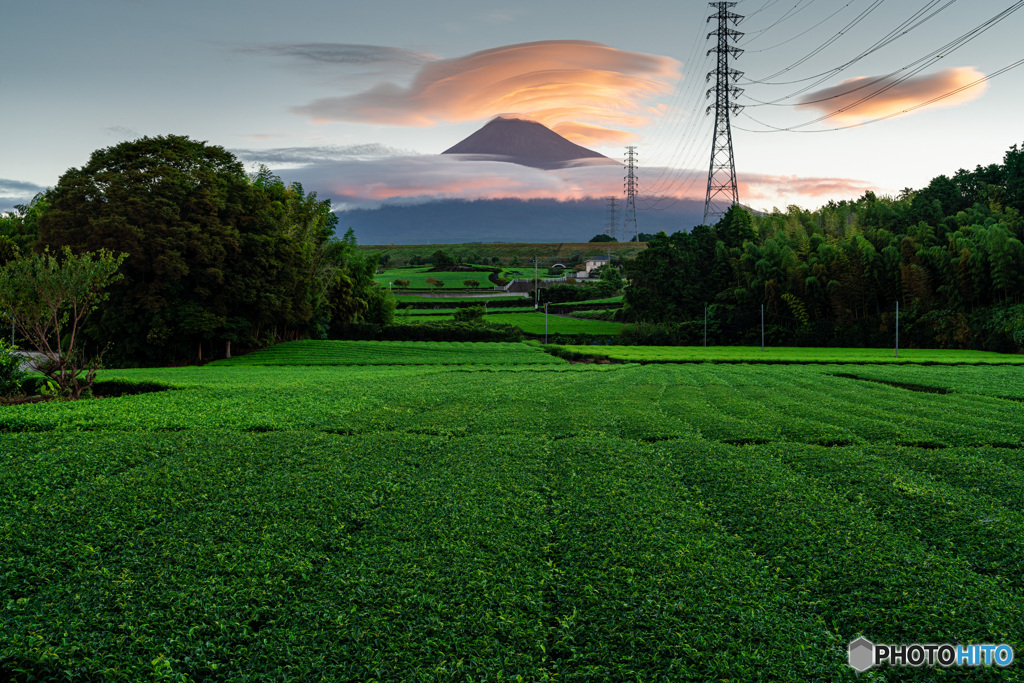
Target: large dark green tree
<point>179,208</point>
<point>215,256</point>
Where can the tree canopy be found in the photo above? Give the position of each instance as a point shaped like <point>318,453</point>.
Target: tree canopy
<point>215,256</point>
<point>950,253</point>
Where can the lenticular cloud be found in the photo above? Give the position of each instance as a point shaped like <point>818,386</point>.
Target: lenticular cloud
<point>869,97</point>
<point>586,89</point>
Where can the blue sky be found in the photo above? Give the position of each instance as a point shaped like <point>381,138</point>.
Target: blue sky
<point>354,99</point>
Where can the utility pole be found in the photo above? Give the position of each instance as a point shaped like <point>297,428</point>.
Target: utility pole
<point>722,192</point>
<point>610,230</point>
<point>630,187</point>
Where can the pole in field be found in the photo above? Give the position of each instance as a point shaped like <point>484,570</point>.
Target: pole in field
<point>705,326</point>
<point>545,322</point>
<point>536,295</point>
<point>762,327</point>
<point>897,354</point>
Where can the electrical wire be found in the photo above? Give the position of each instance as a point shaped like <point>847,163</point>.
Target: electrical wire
<point>894,114</point>
<point>911,69</point>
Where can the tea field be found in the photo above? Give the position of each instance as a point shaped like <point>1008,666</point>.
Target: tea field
<point>753,354</point>
<point>533,323</point>
<point>328,517</point>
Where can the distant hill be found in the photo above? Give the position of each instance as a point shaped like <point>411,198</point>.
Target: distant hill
<point>527,143</point>
<point>504,220</point>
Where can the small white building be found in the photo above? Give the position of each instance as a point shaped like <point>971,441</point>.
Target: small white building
<point>592,263</point>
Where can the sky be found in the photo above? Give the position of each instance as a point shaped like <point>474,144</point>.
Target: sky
<point>357,100</point>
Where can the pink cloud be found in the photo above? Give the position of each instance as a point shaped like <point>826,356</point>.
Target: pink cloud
<point>424,178</point>
<point>842,103</point>
<point>586,88</point>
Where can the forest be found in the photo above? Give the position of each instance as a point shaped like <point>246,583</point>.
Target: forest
<point>950,255</point>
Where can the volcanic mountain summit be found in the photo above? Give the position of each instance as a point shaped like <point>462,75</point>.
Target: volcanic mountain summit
<point>527,143</point>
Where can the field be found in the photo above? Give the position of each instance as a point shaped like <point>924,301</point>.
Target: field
<point>330,518</point>
<point>532,323</point>
<point>417,278</point>
<point>472,253</point>
<point>750,354</point>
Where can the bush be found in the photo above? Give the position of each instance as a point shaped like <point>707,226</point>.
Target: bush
<point>469,314</point>
<point>435,331</point>
<point>11,374</point>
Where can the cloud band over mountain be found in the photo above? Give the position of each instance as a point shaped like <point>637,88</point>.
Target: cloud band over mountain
<point>584,90</point>
<point>418,179</point>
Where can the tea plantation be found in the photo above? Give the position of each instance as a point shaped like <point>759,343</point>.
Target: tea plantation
<point>352,511</point>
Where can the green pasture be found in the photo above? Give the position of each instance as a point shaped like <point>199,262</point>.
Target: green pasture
<point>441,311</point>
<point>754,354</point>
<point>325,353</point>
<point>417,278</point>
<point>442,300</point>
<point>337,519</point>
<point>532,323</point>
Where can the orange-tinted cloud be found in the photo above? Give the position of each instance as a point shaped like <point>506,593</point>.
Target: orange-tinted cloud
<point>587,89</point>
<point>759,189</point>
<point>370,182</point>
<point>845,99</point>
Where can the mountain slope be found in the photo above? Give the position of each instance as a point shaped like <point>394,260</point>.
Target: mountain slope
<point>527,143</point>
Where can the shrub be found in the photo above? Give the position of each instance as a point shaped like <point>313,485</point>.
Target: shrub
<point>469,314</point>
<point>11,374</point>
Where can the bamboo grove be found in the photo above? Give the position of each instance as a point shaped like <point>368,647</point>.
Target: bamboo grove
<point>950,254</point>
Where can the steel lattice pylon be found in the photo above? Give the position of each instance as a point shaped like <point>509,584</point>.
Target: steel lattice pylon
<point>610,230</point>
<point>630,188</point>
<point>722,192</point>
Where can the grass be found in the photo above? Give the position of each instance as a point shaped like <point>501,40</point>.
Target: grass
<point>754,354</point>
<point>475,252</point>
<point>417,278</point>
<point>339,519</point>
<point>392,353</point>
<point>532,323</point>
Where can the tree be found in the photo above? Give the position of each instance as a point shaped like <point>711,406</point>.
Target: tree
<point>442,261</point>
<point>48,299</point>
<point>216,256</point>
<point>469,314</point>
<point>472,284</point>
<point>21,226</point>
<point>603,238</point>
<point>402,284</point>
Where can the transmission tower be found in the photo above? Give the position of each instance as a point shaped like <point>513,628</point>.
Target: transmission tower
<point>722,191</point>
<point>610,230</point>
<point>630,186</point>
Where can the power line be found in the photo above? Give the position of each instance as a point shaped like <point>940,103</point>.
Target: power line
<point>889,116</point>
<point>912,69</point>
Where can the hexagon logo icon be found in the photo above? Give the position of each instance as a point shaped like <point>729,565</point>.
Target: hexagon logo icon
<point>862,654</point>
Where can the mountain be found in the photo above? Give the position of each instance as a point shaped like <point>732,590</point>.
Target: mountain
<point>527,143</point>
<point>454,221</point>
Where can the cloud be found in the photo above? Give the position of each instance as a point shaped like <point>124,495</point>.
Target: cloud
<point>419,179</point>
<point>844,99</point>
<point>17,189</point>
<point>15,192</point>
<point>340,53</point>
<point>281,156</point>
<point>588,89</point>
<point>782,190</point>
<point>123,132</point>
